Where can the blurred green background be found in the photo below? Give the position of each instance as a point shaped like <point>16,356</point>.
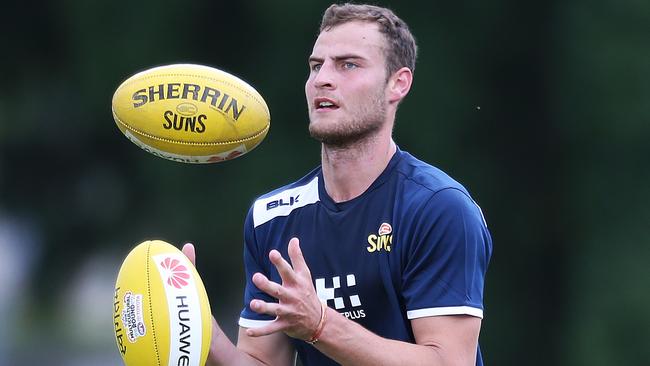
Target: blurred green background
<point>541,109</point>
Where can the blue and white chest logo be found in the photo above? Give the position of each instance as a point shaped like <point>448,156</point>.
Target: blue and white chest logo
<point>349,306</point>
<point>383,240</point>
<point>283,202</point>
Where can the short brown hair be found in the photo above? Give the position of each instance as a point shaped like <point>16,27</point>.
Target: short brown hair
<point>401,49</point>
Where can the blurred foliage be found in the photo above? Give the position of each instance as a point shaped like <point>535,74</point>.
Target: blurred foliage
<point>541,109</point>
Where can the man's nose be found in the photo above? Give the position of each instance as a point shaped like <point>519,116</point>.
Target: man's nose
<point>325,76</point>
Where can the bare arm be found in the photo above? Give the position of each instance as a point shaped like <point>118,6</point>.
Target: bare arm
<point>441,340</point>
<point>272,350</point>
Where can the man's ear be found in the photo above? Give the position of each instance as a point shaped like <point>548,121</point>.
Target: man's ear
<point>399,84</point>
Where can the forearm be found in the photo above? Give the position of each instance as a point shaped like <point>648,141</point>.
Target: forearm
<point>348,343</point>
<point>224,353</point>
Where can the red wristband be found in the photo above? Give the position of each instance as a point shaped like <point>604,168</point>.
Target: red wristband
<point>321,324</point>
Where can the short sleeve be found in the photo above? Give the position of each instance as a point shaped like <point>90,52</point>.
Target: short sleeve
<point>445,264</point>
<point>254,259</point>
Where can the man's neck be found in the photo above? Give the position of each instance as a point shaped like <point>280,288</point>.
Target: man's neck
<point>349,171</point>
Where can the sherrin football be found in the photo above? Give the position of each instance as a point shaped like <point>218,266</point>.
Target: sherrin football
<point>161,312</point>
<point>190,113</point>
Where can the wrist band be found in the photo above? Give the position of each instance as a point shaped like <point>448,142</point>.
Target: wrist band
<point>321,324</point>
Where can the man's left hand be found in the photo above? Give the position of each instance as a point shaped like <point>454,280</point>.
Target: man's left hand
<point>298,310</point>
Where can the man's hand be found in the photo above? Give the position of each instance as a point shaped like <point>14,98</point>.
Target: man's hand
<point>188,250</point>
<point>299,309</point>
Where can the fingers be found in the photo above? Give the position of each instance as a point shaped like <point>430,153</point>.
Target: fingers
<point>263,307</point>
<point>284,268</point>
<point>298,265</point>
<point>297,259</point>
<point>269,308</point>
<point>190,253</point>
<point>273,327</point>
<point>295,310</point>
<point>268,286</point>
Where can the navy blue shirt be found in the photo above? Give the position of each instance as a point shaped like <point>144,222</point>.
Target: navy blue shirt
<point>414,244</point>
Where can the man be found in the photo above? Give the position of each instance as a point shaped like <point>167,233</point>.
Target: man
<point>374,258</point>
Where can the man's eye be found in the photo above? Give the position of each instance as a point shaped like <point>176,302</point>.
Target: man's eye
<point>349,65</point>
<point>315,67</point>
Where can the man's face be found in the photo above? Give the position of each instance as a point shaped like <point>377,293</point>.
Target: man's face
<point>346,94</point>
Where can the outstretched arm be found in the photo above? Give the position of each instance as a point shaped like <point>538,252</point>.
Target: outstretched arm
<point>441,340</point>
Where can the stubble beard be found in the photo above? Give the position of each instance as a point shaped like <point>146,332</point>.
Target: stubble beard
<point>363,124</point>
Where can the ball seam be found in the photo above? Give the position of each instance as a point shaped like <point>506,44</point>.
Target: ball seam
<point>153,327</point>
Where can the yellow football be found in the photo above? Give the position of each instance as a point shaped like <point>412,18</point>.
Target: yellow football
<point>161,312</point>
<point>191,113</point>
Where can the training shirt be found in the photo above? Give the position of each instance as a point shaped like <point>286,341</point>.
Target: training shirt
<point>414,244</point>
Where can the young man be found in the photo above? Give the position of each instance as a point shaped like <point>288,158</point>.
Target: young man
<point>373,258</point>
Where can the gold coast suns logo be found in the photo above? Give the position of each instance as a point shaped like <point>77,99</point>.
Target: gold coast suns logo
<point>383,240</point>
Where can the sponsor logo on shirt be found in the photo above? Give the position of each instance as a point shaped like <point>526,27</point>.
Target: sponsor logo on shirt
<point>282,202</point>
<point>383,240</point>
<point>327,294</point>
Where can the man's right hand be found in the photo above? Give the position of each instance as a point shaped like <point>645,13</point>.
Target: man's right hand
<point>188,250</point>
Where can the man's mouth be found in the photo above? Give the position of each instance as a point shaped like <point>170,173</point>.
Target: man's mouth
<point>325,104</point>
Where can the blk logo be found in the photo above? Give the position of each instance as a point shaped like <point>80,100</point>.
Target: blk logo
<point>177,273</point>
<point>282,202</point>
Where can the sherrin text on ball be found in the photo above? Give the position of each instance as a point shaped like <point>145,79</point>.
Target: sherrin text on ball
<point>190,113</point>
